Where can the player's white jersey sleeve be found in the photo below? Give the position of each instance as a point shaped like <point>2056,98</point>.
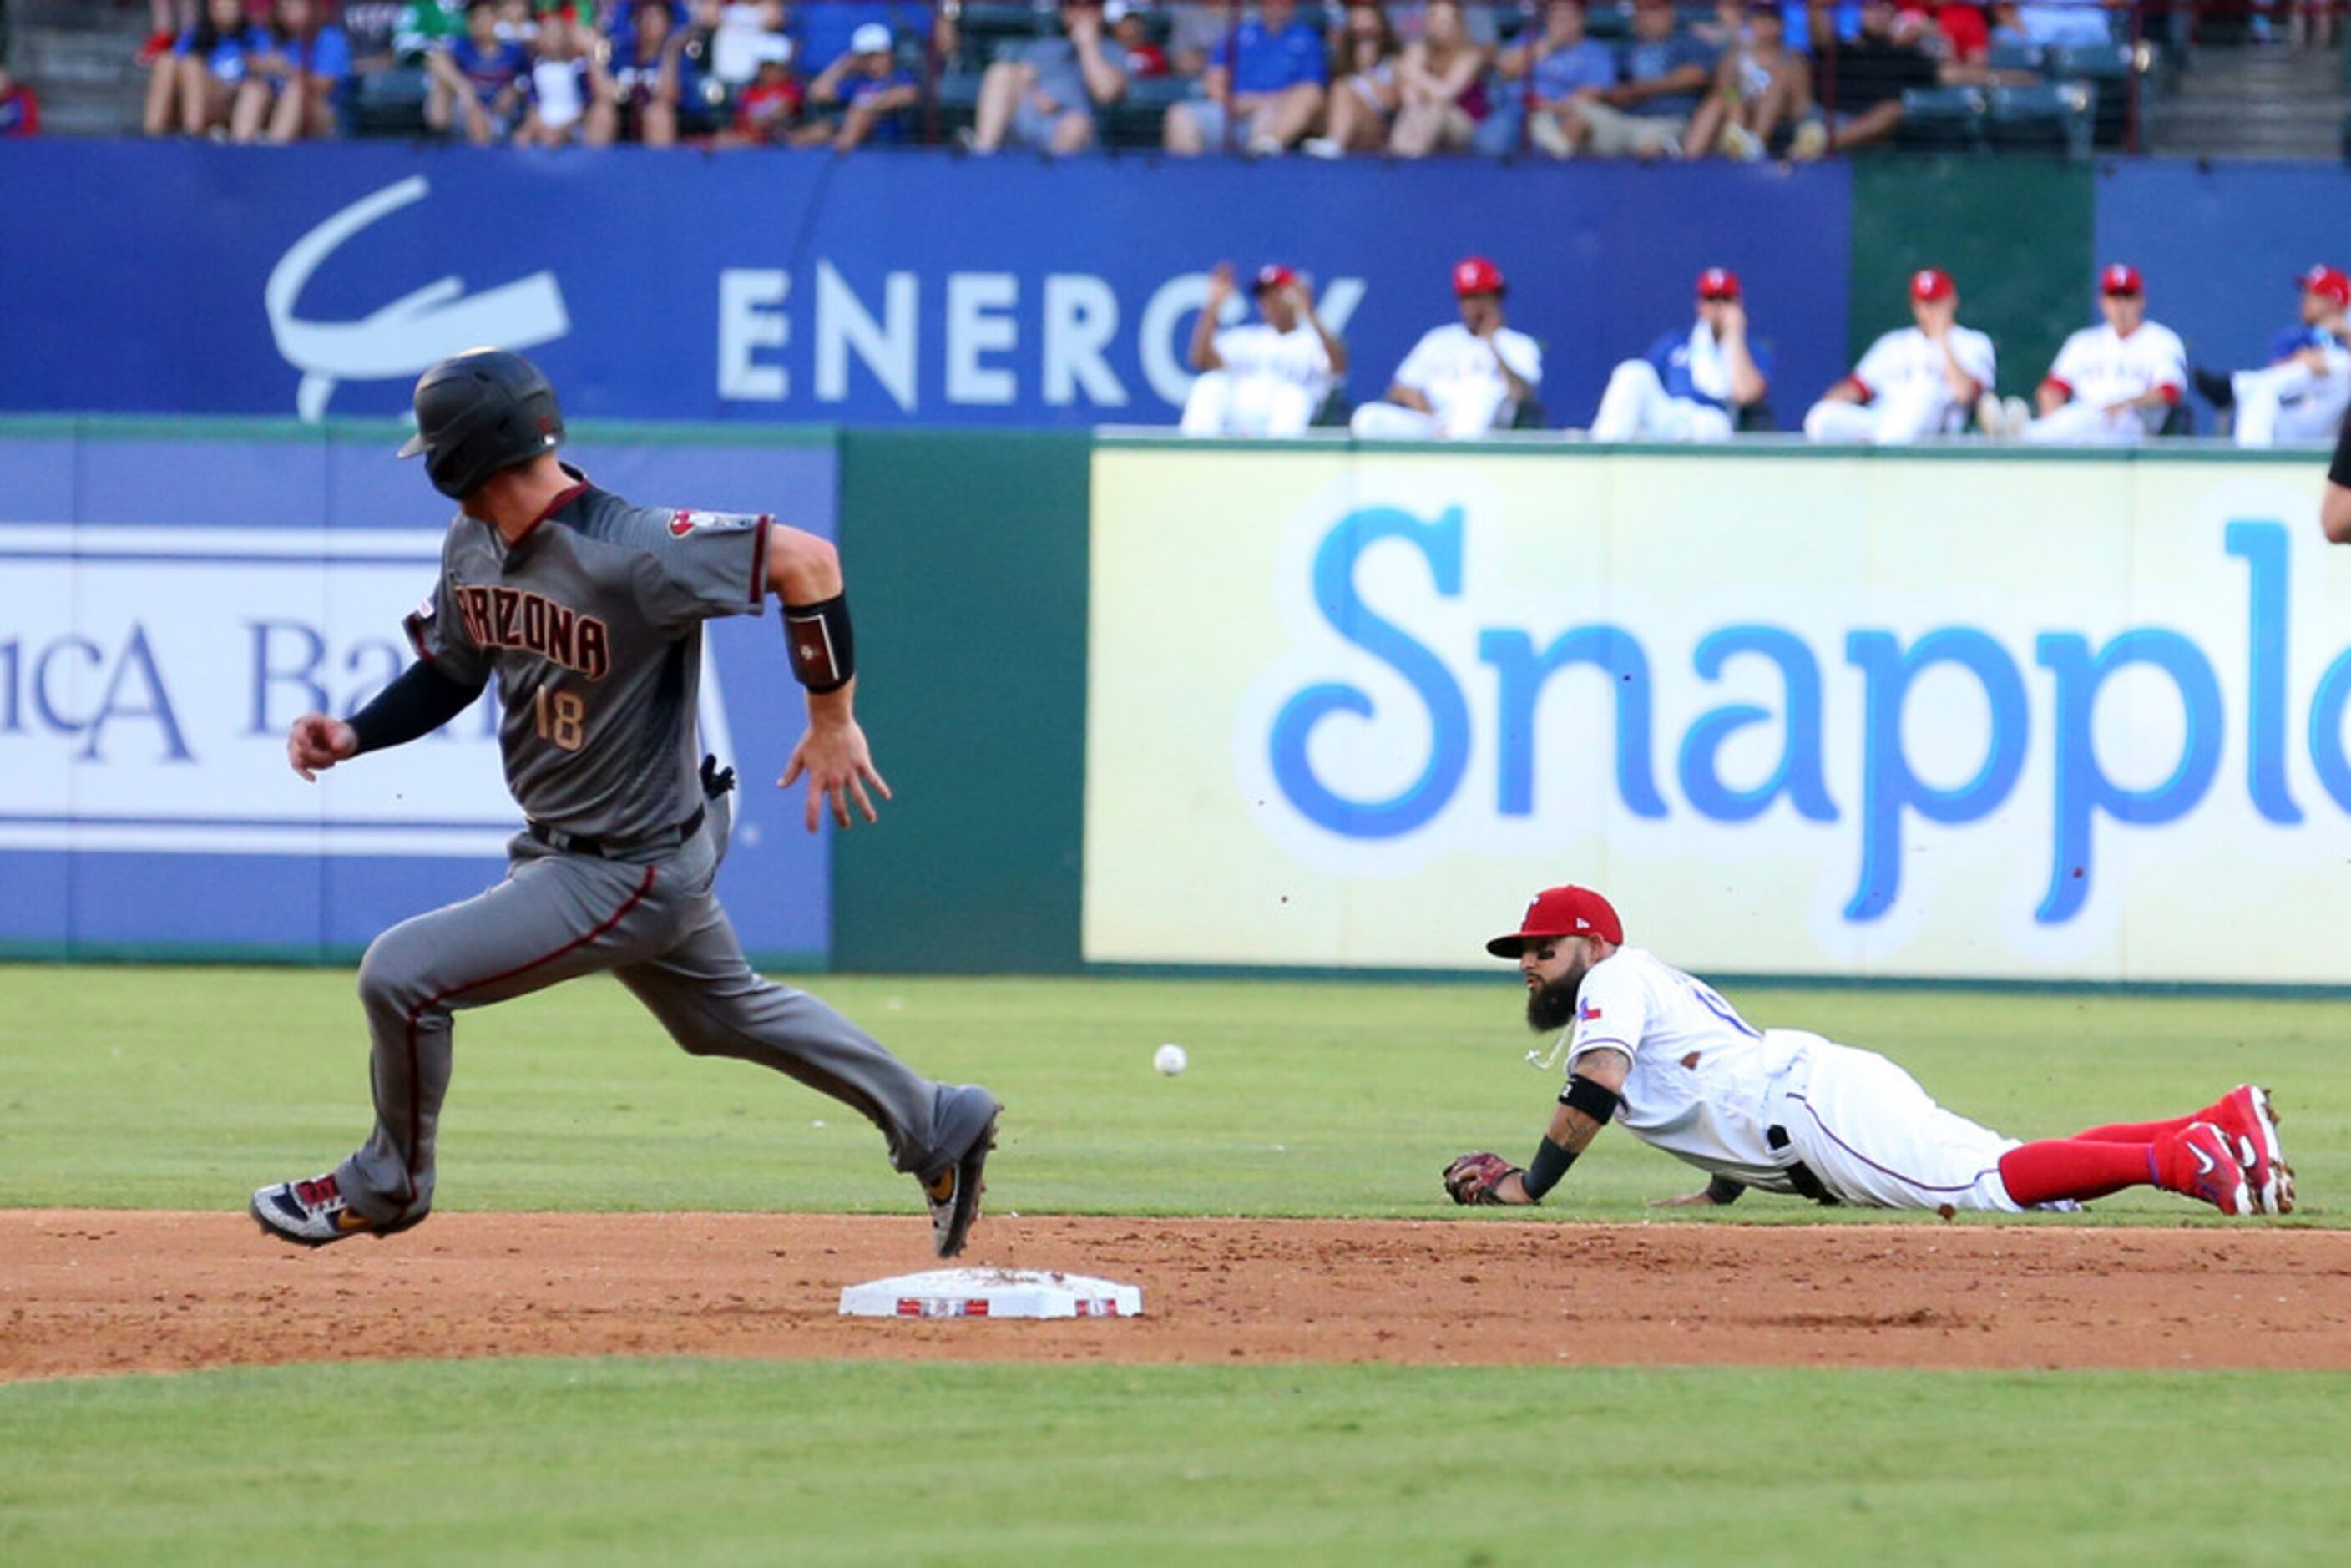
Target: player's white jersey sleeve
<point>1612,1009</point>
<point>2076,359</point>
<point>1885,365</point>
<point>2159,355</point>
<point>1522,354</point>
<point>1974,352</point>
<point>1426,363</point>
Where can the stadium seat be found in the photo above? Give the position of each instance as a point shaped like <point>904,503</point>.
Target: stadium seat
<point>2010,56</point>
<point>1756,419</point>
<point>986,28</point>
<point>2109,66</point>
<point>2180,421</point>
<point>1944,119</point>
<point>2048,117</point>
<point>389,103</point>
<point>1529,415</point>
<point>1609,24</point>
<point>1135,119</point>
<point>1335,411</point>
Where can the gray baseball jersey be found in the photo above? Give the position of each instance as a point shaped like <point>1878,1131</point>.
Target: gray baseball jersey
<point>592,624</point>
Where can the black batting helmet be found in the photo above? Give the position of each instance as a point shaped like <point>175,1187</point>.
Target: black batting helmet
<point>479,411</point>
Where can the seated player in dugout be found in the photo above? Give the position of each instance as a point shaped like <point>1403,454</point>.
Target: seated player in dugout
<point>1665,1057</point>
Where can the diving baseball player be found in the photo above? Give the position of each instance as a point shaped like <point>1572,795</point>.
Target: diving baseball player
<point>2109,386</point>
<point>1914,381</point>
<point>1788,1111</point>
<point>588,612</point>
<point>1265,378</point>
<point>1462,380</point>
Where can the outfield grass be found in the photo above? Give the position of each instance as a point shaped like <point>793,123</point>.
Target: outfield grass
<point>573,1462</point>
<point>186,1088</point>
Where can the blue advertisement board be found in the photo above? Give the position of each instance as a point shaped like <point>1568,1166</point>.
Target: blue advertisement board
<point>169,602</point>
<point>911,287</point>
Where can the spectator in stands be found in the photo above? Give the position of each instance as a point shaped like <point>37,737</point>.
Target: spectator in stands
<point>863,95</point>
<point>1462,380</point>
<point>1661,74</point>
<point>1133,47</point>
<point>1364,95</point>
<point>737,40</point>
<point>767,111</point>
<point>1866,80</point>
<point>560,99</point>
<point>1440,86</point>
<point>20,107</point>
<point>2113,385</point>
<point>1264,83</point>
<point>1916,381</point>
<point>1693,385</point>
<point>1046,94</point>
<point>368,28</point>
<point>193,88</point>
<point>1267,378</point>
<point>1550,69</point>
<point>483,77</point>
<point>824,33</point>
<point>2064,23</point>
<point>171,18</point>
<point>637,93</point>
<point>427,27</point>
<point>2302,393</point>
<point>1760,85</point>
<point>289,94</point>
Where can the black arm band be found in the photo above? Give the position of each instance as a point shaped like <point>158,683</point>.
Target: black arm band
<point>1724,1189</point>
<point>1550,1164</point>
<point>823,649</point>
<point>419,700</point>
<point>1584,1095</point>
<point>2340,469</point>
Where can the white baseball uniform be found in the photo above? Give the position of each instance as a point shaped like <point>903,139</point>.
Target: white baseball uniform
<point>1453,369</point>
<point>2099,367</point>
<point>1271,384</point>
<point>2290,402</point>
<point>1708,1087</point>
<point>1905,393</point>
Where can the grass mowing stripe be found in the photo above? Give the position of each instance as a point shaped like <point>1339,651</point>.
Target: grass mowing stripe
<point>609,1461</point>
<point>188,1088</point>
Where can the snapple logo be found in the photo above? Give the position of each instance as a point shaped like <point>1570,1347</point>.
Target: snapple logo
<point>1889,787</point>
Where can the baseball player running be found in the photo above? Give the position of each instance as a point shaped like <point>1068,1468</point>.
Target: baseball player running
<point>588,611</point>
<point>1789,1112</point>
<point>1916,381</point>
<point>1266,378</point>
<point>1462,380</point>
<point>2302,393</point>
<point>2109,386</point>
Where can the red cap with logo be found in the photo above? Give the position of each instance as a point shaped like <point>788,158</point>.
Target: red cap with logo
<point>2326,280</point>
<point>1931,283</point>
<point>1475,274</point>
<point>1717,283</point>
<point>1273,275</point>
<point>1558,912</point>
<point>2120,278</point>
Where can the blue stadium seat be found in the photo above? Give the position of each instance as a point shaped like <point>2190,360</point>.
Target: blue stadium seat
<point>2109,66</point>
<point>2008,57</point>
<point>389,103</point>
<point>2049,117</point>
<point>1942,118</point>
<point>1134,121</point>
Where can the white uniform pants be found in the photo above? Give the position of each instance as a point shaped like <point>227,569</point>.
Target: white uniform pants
<point>1876,1140</point>
<point>1636,408</point>
<point>1890,419</point>
<point>2288,403</point>
<point>2084,424</point>
<point>1221,403</point>
<point>1465,415</point>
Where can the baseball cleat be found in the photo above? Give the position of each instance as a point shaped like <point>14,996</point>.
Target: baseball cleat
<point>2245,1113</point>
<point>955,1193</point>
<point>313,1213</point>
<point>2200,1161</point>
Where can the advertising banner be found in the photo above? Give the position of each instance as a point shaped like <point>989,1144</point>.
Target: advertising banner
<point>904,287</point>
<point>169,604</point>
<point>1966,716</point>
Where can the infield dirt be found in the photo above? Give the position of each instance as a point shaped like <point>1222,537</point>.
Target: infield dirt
<point>91,1291</point>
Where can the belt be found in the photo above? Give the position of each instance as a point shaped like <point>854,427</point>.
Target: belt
<point>1799,1174</point>
<point>611,849</point>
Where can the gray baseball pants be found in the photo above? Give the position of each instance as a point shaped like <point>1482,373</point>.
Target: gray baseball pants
<point>657,926</point>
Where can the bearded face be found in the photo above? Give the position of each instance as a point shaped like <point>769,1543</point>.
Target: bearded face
<point>1551,1005</point>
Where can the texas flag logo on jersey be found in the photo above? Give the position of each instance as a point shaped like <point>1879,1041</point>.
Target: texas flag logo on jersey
<point>1586,1012</point>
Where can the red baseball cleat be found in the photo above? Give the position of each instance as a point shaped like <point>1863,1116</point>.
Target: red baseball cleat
<point>2200,1161</point>
<point>2245,1114</point>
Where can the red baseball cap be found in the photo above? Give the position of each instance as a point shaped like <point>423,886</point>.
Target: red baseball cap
<point>1272,275</point>
<point>2326,280</point>
<point>1475,274</point>
<point>1555,912</point>
<point>1931,283</point>
<point>2120,278</point>
<point>1717,283</point>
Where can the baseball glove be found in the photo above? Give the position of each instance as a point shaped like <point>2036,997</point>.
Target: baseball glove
<point>1472,1178</point>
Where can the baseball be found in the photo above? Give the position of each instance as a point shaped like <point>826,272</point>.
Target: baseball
<point>1170,1060</point>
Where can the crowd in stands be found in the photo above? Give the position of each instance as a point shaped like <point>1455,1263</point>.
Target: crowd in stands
<point>2115,383</point>
<point>1642,78</point>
